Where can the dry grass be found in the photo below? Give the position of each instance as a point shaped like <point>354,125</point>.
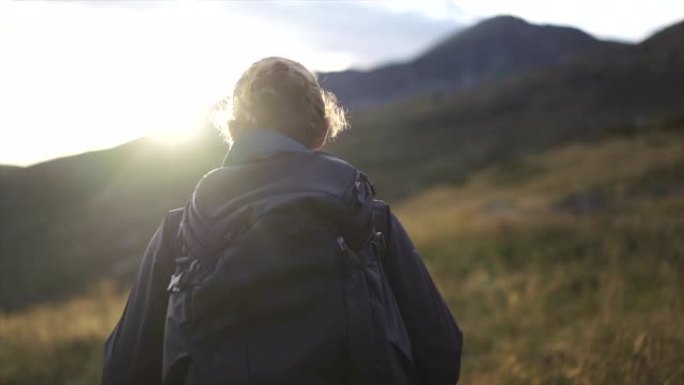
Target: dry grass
<point>545,294</point>
<point>548,295</point>
<point>59,344</point>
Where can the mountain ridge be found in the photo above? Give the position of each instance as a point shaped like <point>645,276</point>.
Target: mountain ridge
<point>493,49</point>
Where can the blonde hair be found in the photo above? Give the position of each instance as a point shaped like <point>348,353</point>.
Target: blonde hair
<point>281,94</point>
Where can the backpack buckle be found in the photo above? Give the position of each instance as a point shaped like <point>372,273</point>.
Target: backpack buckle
<point>175,283</point>
<point>351,259</point>
<point>379,242</point>
<point>180,279</point>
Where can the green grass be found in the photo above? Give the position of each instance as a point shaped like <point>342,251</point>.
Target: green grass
<point>545,294</point>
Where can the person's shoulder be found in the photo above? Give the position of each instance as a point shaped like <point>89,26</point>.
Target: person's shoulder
<point>330,168</point>
<point>332,159</point>
<point>333,162</point>
<point>171,221</point>
<point>173,215</point>
<point>220,183</point>
<point>212,177</point>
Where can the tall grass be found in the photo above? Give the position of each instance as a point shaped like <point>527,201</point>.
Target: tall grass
<point>564,268</point>
<point>551,293</point>
<point>58,344</point>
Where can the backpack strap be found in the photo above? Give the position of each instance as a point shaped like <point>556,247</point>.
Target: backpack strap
<point>186,266</point>
<point>381,226</point>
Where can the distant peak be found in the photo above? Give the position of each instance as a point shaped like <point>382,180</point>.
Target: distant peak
<point>503,28</point>
<point>506,20</point>
<point>499,24</point>
<point>493,27</point>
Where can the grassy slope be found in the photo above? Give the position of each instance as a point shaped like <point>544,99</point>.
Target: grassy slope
<point>562,268</point>
<point>569,273</point>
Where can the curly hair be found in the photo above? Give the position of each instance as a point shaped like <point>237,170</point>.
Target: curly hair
<point>281,94</point>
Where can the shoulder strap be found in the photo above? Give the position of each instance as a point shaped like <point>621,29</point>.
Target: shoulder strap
<point>184,264</point>
<point>381,225</point>
<point>174,219</point>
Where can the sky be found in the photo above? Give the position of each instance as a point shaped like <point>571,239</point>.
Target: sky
<point>82,76</point>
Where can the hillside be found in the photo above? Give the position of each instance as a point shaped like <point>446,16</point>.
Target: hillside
<point>568,272</point>
<point>441,138</point>
<point>70,222</point>
<point>492,50</point>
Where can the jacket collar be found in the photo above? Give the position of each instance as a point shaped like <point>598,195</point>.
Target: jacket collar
<point>261,144</point>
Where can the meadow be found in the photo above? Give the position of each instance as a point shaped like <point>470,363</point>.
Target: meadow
<point>563,267</point>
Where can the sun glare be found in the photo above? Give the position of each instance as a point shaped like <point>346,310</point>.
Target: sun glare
<point>179,125</point>
<point>175,136</point>
<point>58,98</point>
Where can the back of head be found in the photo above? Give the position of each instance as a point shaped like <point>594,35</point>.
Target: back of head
<point>280,94</point>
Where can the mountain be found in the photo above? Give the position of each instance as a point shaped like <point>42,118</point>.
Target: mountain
<point>438,138</point>
<point>70,222</point>
<point>492,50</point>
<point>669,36</point>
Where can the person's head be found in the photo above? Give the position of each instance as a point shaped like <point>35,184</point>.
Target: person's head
<point>280,94</point>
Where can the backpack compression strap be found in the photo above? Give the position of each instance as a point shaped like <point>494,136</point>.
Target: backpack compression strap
<point>381,226</point>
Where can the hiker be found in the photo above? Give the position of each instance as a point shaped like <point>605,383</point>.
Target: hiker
<point>283,268</point>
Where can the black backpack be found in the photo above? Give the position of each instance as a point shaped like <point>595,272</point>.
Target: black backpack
<point>294,293</point>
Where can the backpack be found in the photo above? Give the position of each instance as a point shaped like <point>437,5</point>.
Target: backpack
<point>294,293</point>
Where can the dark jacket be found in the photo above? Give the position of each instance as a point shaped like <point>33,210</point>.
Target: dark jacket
<point>133,352</point>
